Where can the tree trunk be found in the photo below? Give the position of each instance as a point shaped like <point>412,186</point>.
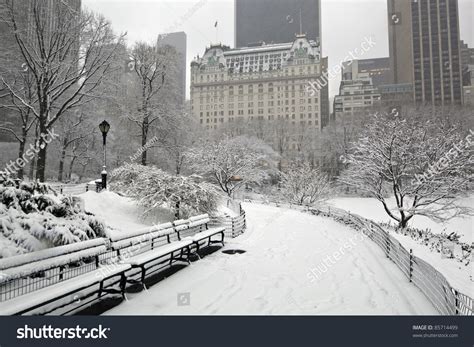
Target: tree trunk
<point>61,161</point>
<point>144,140</point>
<point>21,151</point>
<point>71,167</point>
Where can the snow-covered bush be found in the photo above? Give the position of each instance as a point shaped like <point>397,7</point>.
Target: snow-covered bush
<point>232,162</point>
<point>34,217</point>
<point>154,188</point>
<point>302,184</point>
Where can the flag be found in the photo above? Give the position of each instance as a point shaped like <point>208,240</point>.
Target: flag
<point>215,25</point>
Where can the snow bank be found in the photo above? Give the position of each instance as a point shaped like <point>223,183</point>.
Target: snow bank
<point>372,209</point>
<point>120,213</point>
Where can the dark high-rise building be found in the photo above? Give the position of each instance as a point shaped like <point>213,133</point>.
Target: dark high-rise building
<point>178,42</point>
<point>276,21</point>
<point>425,49</point>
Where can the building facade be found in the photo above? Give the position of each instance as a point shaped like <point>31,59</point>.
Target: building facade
<point>178,41</point>
<point>424,46</point>
<point>263,84</point>
<point>276,21</point>
<point>356,92</point>
<point>378,70</point>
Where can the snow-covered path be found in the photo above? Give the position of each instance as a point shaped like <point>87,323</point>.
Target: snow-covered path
<point>273,276</point>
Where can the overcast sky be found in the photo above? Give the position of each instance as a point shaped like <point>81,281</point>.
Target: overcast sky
<point>345,23</point>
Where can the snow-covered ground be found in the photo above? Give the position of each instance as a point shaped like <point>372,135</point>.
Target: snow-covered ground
<point>459,275</point>
<point>274,275</point>
<point>372,209</point>
<point>121,213</point>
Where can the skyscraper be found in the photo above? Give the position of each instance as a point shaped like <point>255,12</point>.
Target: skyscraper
<point>178,41</point>
<point>425,49</point>
<point>276,21</point>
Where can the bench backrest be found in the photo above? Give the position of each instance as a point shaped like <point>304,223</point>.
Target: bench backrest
<point>139,241</point>
<point>50,253</point>
<point>29,272</point>
<point>194,225</point>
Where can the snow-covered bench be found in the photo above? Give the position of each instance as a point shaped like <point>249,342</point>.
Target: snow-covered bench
<point>41,282</point>
<point>197,230</point>
<point>151,249</point>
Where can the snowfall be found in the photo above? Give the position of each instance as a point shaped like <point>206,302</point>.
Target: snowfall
<point>273,276</point>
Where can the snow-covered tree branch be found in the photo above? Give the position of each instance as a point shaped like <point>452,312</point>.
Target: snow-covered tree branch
<point>424,164</point>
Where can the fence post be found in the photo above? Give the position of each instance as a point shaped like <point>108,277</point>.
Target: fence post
<point>387,244</point>
<point>456,301</point>
<point>61,189</point>
<point>410,275</point>
<point>87,188</point>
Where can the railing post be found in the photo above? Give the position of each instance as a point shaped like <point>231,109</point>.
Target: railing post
<point>456,301</point>
<point>410,275</point>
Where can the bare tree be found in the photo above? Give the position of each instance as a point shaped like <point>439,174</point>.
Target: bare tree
<point>73,130</point>
<point>24,85</point>
<point>423,164</point>
<point>154,68</point>
<point>231,162</point>
<point>303,184</point>
<point>69,55</point>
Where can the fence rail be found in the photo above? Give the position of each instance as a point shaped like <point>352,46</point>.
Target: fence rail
<point>446,299</point>
<point>74,189</point>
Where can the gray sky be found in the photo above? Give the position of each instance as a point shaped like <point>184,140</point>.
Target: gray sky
<point>345,23</point>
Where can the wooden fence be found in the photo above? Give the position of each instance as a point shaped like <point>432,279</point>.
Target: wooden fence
<point>234,226</point>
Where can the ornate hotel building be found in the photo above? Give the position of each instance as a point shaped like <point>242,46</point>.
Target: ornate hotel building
<point>262,83</point>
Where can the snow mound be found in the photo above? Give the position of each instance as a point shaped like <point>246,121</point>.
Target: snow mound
<point>122,214</point>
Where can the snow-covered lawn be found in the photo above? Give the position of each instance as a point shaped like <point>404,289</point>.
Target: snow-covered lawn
<point>372,209</point>
<point>121,213</point>
<point>273,276</point>
<point>459,275</point>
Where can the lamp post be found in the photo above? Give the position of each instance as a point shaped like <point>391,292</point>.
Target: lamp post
<point>104,129</point>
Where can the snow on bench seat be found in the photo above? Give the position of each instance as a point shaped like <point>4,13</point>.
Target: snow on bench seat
<point>46,264</point>
<point>48,294</point>
<point>27,258</point>
<point>206,234</point>
<point>149,256</point>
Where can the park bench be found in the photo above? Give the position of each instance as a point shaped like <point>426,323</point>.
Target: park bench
<point>197,230</point>
<point>150,250</point>
<point>45,281</point>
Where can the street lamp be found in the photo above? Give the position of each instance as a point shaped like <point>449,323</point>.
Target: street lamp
<point>104,129</point>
